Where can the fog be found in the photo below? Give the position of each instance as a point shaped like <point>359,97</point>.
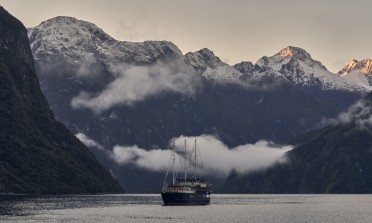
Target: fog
<point>360,113</point>
<point>136,83</point>
<point>218,159</point>
<point>88,141</point>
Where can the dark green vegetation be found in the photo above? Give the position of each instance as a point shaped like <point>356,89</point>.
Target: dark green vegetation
<point>335,159</point>
<point>37,153</point>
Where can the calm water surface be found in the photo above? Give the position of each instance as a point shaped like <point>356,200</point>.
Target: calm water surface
<point>223,208</point>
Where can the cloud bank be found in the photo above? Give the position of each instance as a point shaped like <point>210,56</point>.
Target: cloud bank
<point>218,160</point>
<point>360,113</point>
<point>135,83</point>
<point>156,160</point>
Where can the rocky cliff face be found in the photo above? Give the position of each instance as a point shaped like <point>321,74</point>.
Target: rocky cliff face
<point>37,153</point>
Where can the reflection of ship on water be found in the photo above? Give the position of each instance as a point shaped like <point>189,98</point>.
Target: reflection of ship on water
<point>185,191</point>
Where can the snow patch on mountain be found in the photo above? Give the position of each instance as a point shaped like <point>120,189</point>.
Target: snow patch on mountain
<point>205,63</point>
<point>70,39</point>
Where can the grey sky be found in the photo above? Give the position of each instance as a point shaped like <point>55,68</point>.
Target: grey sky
<point>332,31</point>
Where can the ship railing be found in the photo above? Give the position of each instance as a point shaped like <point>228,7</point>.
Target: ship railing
<point>191,182</point>
<point>179,189</point>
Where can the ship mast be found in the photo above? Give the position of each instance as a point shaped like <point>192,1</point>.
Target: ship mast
<point>173,162</point>
<point>195,160</point>
<point>185,162</point>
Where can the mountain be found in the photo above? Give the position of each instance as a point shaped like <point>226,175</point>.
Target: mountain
<point>146,93</point>
<point>334,159</point>
<point>359,72</point>
<point>209,66</point>
<point>37,153</point>
<point>296,66</point>
<point>363,67</point>
<point>72,40</point>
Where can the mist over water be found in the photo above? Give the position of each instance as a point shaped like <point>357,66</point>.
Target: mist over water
<point>224,208</point>
<point>214,157</point>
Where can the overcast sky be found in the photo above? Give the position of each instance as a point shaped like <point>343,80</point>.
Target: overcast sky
<point>332,31</point>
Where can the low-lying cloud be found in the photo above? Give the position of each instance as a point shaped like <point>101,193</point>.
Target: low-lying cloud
<point>87,64</point>
<point>135,83</point>
<point>88,141</point>
<point>156,160</point>
<point>360,113</point>
<point>217,159</point>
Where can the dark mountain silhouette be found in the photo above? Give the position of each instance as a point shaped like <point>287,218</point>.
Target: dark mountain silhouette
<point>37,153</point>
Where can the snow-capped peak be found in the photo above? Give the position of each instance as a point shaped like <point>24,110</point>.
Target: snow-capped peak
<point>295,52</point>
<point>73,39</point>
<point>359,72</point>
<point>202,59</point>
<point>357,67</point>
<point>207,54</point>
<point>286,52</point>
<point>286,55</point>
<point>206,63</point>
<point>296,66</point>
<point>245,67</point>
<point>68,31</point>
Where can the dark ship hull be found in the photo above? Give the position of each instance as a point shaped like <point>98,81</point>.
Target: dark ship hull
<point>185,191</point>
<point>185,198</point>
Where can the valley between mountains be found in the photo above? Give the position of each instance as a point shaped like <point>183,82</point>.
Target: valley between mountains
<point>284,124</point>
<point>121,94</point>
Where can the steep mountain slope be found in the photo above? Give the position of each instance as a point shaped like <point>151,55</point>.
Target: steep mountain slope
<point>335,159</point>
<point>118,94</point>
<point>37,153</point>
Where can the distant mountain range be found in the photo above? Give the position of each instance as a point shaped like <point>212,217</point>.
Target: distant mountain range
<point>75,41</point>
<point>37,153</point>
<point>125,93</point>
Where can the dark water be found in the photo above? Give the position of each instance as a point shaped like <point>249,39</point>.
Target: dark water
<point>223,208</point>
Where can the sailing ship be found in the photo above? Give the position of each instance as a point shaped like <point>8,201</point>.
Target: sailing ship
<point>185,190</point>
